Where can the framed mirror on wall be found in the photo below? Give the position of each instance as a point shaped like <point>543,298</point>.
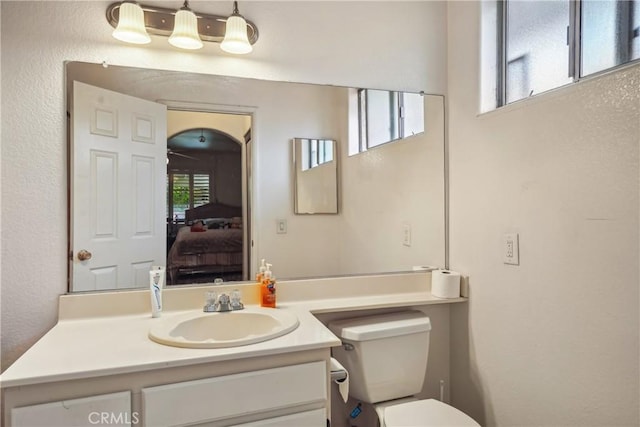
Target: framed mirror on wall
<point>382,190</point>
<point>315,176</point>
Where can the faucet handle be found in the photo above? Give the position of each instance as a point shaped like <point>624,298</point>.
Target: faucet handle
<point>210,302</point>
<point>236,303</point>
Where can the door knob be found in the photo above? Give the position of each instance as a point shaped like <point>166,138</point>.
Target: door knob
<point>84,255</point>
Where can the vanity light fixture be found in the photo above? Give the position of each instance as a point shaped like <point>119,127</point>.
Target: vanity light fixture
<point>236,39</point>
<point>131,28</point>
<point>185,31</point>
<point>237,33</point>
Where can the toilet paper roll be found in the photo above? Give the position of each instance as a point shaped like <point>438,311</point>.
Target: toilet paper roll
<point>445,284</point>
<point>343,384</point>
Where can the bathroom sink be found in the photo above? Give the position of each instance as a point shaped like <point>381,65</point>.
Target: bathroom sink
<point>218,330</point>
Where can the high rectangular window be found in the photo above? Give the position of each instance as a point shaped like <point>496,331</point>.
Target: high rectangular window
<point>609,34</point>
<point>530,46</point>
<point>537,55</point>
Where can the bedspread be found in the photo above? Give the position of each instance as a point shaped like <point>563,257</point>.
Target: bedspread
<point>209,241</point>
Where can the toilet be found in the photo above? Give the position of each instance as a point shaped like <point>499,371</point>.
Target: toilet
<point>386,357</point>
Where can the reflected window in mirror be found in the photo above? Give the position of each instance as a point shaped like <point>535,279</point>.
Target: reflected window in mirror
<point>385,116</point>
<point>186,190</point>
<point>316,152</point>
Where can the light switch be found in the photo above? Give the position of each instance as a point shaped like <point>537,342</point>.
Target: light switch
<point>510,249</point>
<point>406,234</point>
<point>281,226</point>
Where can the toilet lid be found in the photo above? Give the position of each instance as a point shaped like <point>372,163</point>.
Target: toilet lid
<point>424,413</point>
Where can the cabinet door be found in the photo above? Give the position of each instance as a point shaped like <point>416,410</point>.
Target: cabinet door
<point>113,409</point>
<point>315,418</point>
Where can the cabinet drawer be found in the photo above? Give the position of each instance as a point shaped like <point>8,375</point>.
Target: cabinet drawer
<point>315,418</point>
<point>230,396</point>
<point>112,409</point>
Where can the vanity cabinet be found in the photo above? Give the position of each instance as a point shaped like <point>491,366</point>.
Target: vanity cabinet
<point>262,394</point>
<point>289,389</point>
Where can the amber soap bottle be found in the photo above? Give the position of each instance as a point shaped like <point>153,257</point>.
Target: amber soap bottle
<point>268,289</point>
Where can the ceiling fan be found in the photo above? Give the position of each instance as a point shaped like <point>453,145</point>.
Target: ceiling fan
<point>170,152</point>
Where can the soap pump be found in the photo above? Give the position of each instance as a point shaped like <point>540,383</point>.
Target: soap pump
<point>260,274</point>
<point>268,289</point>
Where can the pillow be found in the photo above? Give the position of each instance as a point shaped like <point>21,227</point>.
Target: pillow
<point>198,226</point>
<point>216,222</point>
<point>236,222</point>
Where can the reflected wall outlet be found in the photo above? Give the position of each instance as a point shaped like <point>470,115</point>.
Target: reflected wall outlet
<point>406,234</point>
<point>281,226</point>
<point>510,249</point>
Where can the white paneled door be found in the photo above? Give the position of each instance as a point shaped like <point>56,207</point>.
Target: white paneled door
<point>118,225</point>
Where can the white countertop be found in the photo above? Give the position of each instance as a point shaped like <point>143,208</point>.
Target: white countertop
<point>94,347</point>
<point>85,347</point>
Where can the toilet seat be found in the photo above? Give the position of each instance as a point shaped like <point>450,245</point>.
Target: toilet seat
<point>426,413</point>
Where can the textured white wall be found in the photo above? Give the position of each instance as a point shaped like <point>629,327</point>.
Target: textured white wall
<point>391,45</point>
<point>553,341</point>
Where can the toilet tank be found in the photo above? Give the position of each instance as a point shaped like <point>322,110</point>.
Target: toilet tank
<point>385,355</point>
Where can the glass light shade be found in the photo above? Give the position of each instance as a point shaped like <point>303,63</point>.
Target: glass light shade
<point>130,26</point>
<point>235,36</point>
<point>185,31</point>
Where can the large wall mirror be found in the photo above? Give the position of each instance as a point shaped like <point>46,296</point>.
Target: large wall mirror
<point>201,155</point>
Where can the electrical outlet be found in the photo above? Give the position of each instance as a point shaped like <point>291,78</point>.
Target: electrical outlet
<point>281,226</point>
<point>406,234</point>
<point>510,249</point>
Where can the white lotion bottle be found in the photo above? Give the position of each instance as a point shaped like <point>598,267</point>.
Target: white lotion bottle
<point>156,283</point>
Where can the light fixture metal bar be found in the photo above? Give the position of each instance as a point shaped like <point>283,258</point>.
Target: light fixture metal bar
<point>159,21</point>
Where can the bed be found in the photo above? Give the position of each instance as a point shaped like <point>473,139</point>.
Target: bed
<point>210,243</point>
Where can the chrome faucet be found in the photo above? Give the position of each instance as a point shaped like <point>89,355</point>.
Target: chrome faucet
<point>223,302</point>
